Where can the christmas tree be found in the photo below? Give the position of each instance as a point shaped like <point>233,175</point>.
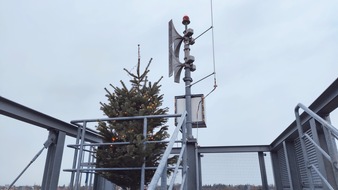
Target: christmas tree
<point>141,99</point>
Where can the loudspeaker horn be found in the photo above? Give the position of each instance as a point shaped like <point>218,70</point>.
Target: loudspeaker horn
<point>175,41</point>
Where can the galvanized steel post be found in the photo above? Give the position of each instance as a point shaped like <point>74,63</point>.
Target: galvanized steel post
<point>191,142</point>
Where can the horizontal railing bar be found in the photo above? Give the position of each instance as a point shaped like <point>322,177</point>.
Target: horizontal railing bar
<point>115,143</point>
<point>227,149</point>
<point>326,124</point>
<point>115,169</point>
<point>124,118</point>
<point>179,141</point>
<point>99,144</point>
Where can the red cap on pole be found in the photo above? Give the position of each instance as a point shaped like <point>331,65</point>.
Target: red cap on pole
<point>186,20</point>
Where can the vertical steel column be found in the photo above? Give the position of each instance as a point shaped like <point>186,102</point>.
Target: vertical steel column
<point>276,170</point>
<point>191,142</point>
<point>200,169</point>
<point>290,157</point>
<point>331,149</point>
<point>53,162</point>
<point>265,185</point>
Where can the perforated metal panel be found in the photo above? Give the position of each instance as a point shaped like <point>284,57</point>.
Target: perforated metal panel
<point>312,158</point>
<point>283,169</point>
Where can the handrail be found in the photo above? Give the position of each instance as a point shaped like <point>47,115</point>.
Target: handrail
<point>161,166</point>
<point>124,118</point>
<point>331,129</point>
<point>321,176</point>
<point>176,168</point>
<point>80,167</point>
<point>326,124</point>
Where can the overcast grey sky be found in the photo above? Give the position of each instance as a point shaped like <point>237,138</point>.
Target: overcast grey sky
<point>57,57</point>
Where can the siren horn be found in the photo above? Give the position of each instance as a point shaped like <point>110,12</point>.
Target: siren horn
<point>175,41</point>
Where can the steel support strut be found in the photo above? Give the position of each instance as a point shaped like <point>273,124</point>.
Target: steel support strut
<point>47,144</point>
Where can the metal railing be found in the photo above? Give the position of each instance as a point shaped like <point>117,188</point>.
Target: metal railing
<point>332,131</point>
<point>81,152</point>
<point>165,157</point>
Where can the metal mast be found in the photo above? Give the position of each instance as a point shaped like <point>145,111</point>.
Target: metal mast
<point>190,166</point>
<point>190,156</point>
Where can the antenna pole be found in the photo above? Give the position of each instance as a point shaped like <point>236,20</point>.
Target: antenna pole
<point>191,152</point>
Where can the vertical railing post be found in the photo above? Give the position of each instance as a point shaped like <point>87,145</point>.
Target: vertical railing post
<point>80,158</point>
<point>145,123</point>
<point>76,152</point>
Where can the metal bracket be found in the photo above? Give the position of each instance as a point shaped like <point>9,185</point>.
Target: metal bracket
<point>51,139</point>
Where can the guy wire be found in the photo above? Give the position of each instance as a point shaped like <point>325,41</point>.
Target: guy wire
<point>214,63</point>
<point>213,49</point>
<point>213,43</point>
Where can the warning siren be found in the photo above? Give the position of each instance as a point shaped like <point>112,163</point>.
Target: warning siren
<point>175,41</point>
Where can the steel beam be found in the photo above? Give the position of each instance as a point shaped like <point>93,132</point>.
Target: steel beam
<point>28,115</point>
<point>323,105</point>
<point>227,149</point>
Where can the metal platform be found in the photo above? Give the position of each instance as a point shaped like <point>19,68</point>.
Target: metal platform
<point>303,156</point>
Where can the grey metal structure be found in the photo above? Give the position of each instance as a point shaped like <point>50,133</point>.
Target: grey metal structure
<point>84,151</point>
<point>190,157</point>
<point>304,156</point>
<point>55,127</point>
<point>28,115</point>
